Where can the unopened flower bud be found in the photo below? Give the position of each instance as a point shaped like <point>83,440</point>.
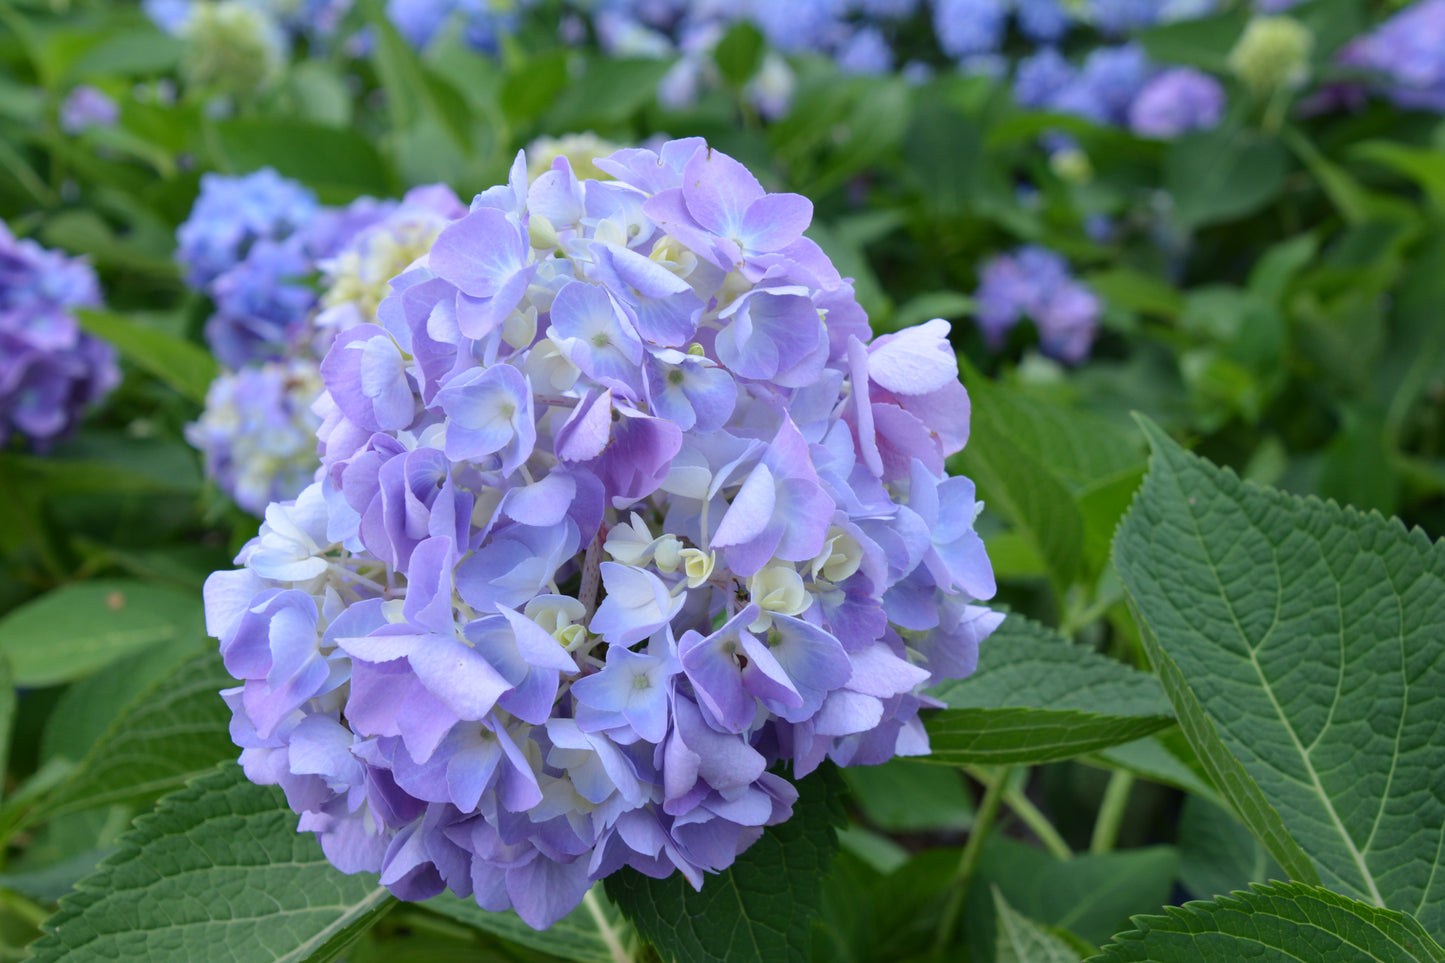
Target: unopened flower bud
<point>1272,54</point>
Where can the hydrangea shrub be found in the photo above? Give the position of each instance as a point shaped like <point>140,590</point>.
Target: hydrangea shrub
<point>623,519</point>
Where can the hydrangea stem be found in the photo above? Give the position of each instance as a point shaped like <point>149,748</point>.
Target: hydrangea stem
<point>1036,821</point>
<point>968,863</point>
<point>591,576</point>
<point>1111,812</point>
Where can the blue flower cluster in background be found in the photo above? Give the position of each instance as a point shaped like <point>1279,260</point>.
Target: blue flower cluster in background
<point>50,370</point>
<point>1406,56</point>
<point>620,505</point>
<point>1034,282</point>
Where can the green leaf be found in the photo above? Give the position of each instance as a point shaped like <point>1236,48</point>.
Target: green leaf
<point>905,795</point>
<point>930,305</point>
<point>177,728</point>
<point>1223,175</point>
<point>184,366</point>
<point>1305,637</point>
<point>339,163</point>
<point>1092,894</point>
<point>412,91</point>
<point>218,871</point>
<point>1036,697</point>
<point>760,908</point>
<point>577,936</point>
<point>1284,922</point>
<point>1021,940</point>
<point>8,704</point>
<point>739,52</point>
<point>1425,167</point>
<point>1217,854</point>
<point>607,94</point>
<point>71,631</point>
<point>1165,757</point>
<point>1137,291</point>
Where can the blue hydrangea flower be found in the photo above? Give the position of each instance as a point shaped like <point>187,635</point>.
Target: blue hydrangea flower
<point>966,27</point>
<point>86,107</point>
<point>50,370</point>
<point>257,432</point>
<point>1407,54</point>
<point>621,507</point>
<point>232,214</point>
<point>1034,282</point>
<point>1177,101</point>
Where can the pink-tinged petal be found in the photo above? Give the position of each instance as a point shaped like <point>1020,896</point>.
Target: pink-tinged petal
<point>774,221</point>
<point>751,510</point>
<point>669,212</point>
<point>763,676</point>
<point>902,438</point>
<point>459,676</point>
<point>536,645</point>
<point>805,511</point>
<point>718,191</point>
<point>479,252</point>
<point>914,361</point>
<point>944,412</point>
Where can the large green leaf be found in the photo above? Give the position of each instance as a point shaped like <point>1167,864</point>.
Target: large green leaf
<point>71,631</point>
<point>577,936</point>
<point>1021,940</point>
<point>1092,895</point>
<point>1036,697</point>
<point>1223,174</point>
<point>760,908</point>
<point>1307,637</point>
<point>218,871</point>
<point>1275,923</point>
<point>173,731</point>
<point>339,163</point>
<point>184,366</point>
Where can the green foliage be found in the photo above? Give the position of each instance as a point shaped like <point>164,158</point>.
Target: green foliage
<point>1274,922</point>
<point>577,936</point>
<point>1216,852</point>
<point>217,871</point>
<point>1036,697</point>
<point>180,364</point>
<point>760,908</point>
<point>1303,638</point>
<point>1021,940</point>
<point>76,629</point>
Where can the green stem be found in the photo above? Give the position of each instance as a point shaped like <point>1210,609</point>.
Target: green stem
<point>1033,818</point>
<point>968,863</point>
<point>1111,811</point>
<point>604,928</point>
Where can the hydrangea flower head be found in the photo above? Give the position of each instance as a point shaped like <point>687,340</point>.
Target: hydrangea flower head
<point>1272,54</point>
<point>258,433</point>
<point>1034,282</point>
<point>50,370</point>
<point>86,107</point>
<point>232,214</point>
<point>620,506</point>
<point>1175,102</point>
<point>232,47</point>
<point>1408,52</point>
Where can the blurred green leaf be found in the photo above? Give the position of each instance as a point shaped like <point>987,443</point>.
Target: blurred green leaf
<point>1021,940</point>
<point>739,52</point>
<point>905,795</point>
<point>187,367</point>
<point>338,163</point>
<point>76,629</point>
<point>1223,175</point>
<point>577,936</point>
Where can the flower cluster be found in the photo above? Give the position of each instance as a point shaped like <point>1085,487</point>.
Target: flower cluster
<point>257,432</point>
<point>1407,52</point>
<point>621,505</point>
<point>1118,86</point>
<point>1034,282</point>
<point>50,370</point>
<point>86,107</point>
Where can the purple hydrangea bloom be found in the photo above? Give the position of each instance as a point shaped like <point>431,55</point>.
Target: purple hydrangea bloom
<point>1175,102</point>
<point>1034,282</point>
<point>50,370</point>
<point>258,434</point>
<point>1042,21</point>
<point>86,107</point>
<point>621,506</point>
<point>866,52</point>
<point>1042,77</point>
<point>1407,53</point>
